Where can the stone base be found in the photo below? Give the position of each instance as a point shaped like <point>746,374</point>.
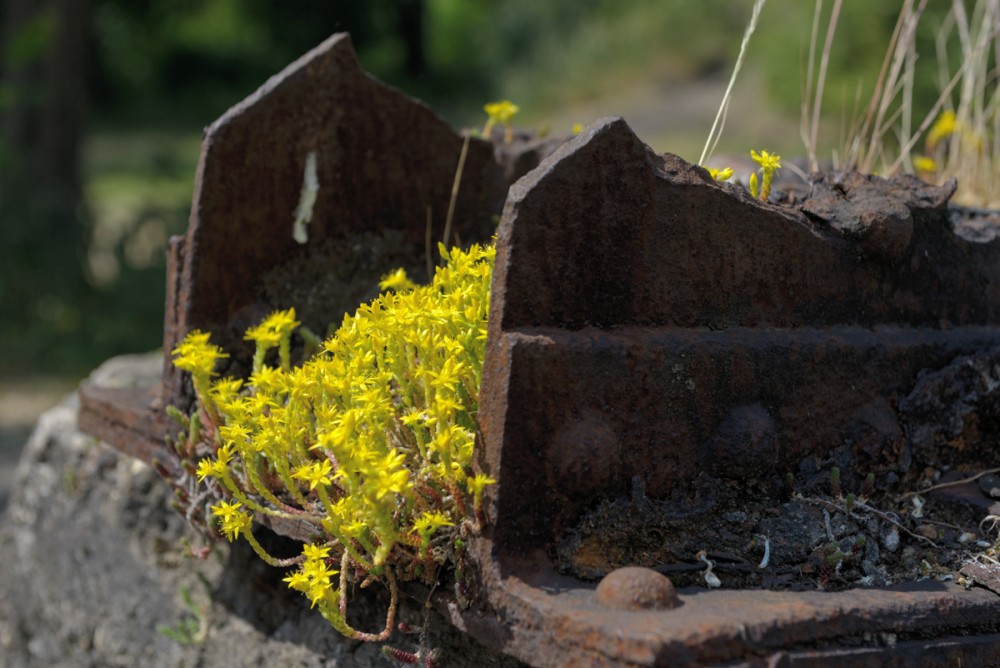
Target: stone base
<point>95,563</point>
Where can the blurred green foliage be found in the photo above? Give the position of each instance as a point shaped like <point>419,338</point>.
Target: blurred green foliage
<point>160,70</point>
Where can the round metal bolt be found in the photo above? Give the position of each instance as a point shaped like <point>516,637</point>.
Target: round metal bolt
<point>635,588</point>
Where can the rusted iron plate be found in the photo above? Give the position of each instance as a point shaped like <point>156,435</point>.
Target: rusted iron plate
<point>648,323</point>
<point>587,411</point>
<point>126,411</point>
<point>639,299</point>
<point>981,650</point>
<point>552,620</point>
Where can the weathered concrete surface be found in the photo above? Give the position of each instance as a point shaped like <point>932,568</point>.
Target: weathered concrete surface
<point>93,562</point>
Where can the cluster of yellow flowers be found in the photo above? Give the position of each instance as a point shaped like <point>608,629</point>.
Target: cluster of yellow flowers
<point>760,188</point>
<point>369,441</point>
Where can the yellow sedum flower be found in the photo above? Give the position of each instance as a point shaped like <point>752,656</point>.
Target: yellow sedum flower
<point>379,424</point>
<point>274,332</point>
<point>273,328</point>
<point>233,519</point>
<point>723,174</point>
<point>478,483</point>
<point>924,164</point>
<point>297,580</point>
<point>313,552</point>
<point>397,281</point>
<point>769,164</point>
<point>206,469</point>
<point>388,476</point>
<point>767,161</point>
<point>944,126</point>
<point>500,113</point>
<point>196,355</point>
<point>315,473</point>
<point>431,521</point>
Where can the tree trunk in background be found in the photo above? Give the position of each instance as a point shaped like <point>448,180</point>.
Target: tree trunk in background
<point>411,29</point>
<point>42,108</point>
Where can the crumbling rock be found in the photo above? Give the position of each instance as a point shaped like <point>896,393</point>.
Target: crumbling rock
<point>876,211</point>
<point>939,409</point>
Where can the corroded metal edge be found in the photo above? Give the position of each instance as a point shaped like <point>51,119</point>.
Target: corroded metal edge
<point>552,621</point>
<point>129,419</point>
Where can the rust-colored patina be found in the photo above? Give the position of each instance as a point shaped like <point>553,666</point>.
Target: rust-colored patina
<point>648,323</point>
<point>652,333</point>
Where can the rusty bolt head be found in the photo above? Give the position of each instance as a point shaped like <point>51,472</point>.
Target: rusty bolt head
<point>636,588</point>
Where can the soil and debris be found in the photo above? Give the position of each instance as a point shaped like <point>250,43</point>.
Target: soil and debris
<point>826,526</point>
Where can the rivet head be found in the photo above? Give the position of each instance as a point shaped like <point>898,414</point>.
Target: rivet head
<point>636,588</point>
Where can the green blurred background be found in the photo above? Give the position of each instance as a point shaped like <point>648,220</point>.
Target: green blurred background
<point>102,104</point>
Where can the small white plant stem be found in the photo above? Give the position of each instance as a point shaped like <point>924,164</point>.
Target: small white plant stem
<point>767,554</point>
<point>720,116</point>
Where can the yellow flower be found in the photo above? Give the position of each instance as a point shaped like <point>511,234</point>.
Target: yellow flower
<point>226,390</point>
<point>277,325</point>
<point>769,164</point>
<point>354,529</point>
<point>315,552</point>
<point>720,174</point>
<point>224,454</point>
<point>577,128</point>
<point>318,590</point>
<point>389,476</point>
<point>234,520</point>
<point>924,164</point>
<point>430,521</point>
<point>276,330</point>
<point>397,281</point>
<point>766,160</point>
<point>944,126</point>
<point>478,483</point>
<point>206,469</point>
<point>298,581</point>
<point>500,112</point>
<point>315,473</point>
<point>236,434</point>
<point>196,355</point>
<point>267,379</point>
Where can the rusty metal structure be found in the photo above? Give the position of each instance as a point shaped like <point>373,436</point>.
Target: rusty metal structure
<point>653,335</point>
